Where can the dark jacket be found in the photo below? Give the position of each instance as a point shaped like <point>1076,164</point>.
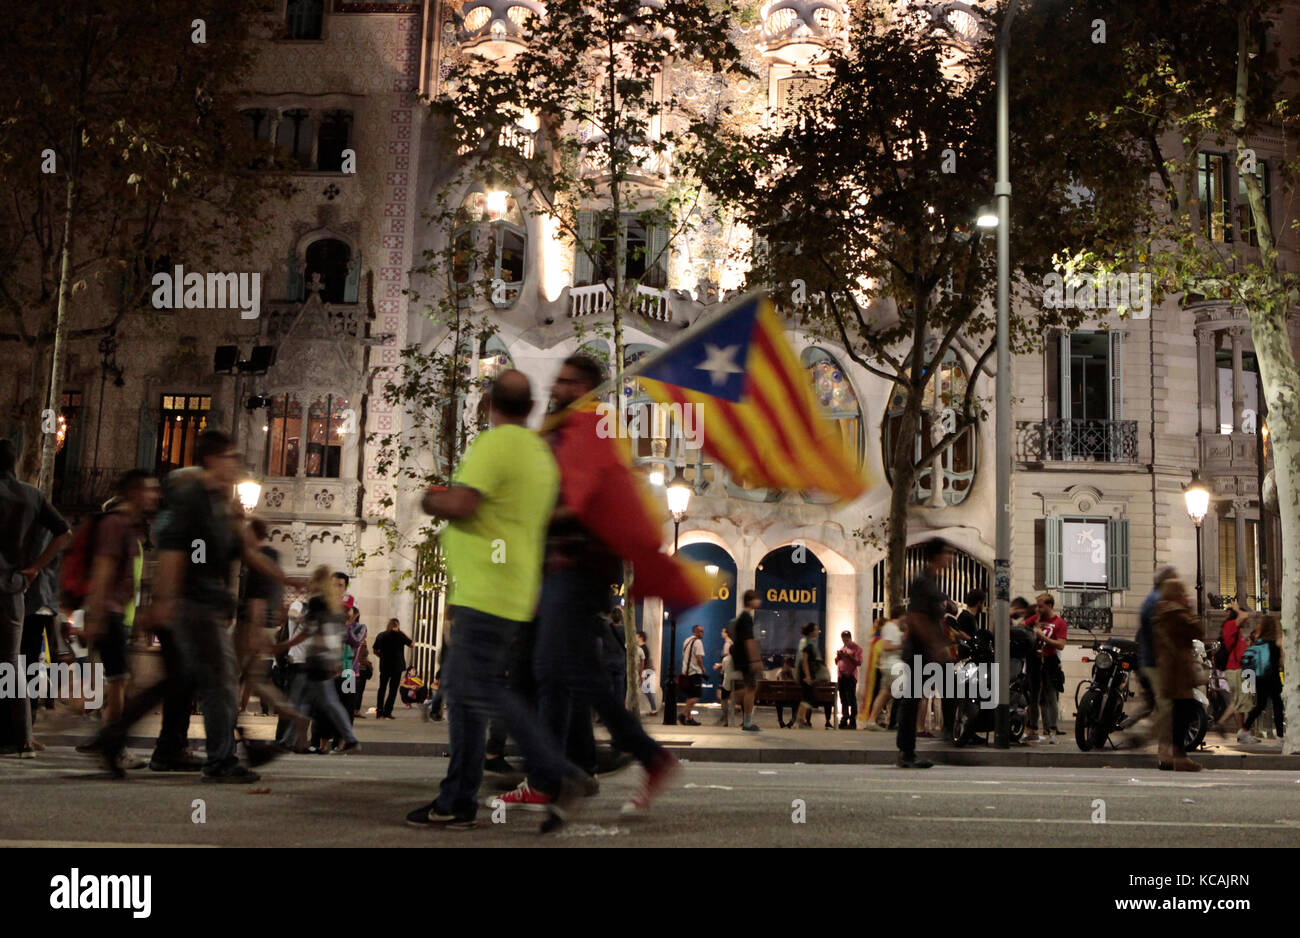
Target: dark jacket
<point>1176,627</point>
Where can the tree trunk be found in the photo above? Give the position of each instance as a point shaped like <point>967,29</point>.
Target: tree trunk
<point>903,472</point>
<point>45,481</point>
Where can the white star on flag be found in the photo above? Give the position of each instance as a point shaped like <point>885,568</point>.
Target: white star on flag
<point>720,362</point>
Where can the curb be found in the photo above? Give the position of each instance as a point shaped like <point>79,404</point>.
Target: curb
<point>1020,757</point>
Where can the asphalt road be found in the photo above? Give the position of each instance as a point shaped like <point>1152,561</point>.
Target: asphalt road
<point>321,801</point>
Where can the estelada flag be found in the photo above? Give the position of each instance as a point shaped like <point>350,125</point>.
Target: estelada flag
<point>611,501</point>
<point>759,417</point>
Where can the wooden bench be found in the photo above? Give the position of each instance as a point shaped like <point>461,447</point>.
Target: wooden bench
<point>771,693</point>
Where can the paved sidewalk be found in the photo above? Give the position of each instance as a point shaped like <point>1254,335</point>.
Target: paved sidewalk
<point>409,735</point>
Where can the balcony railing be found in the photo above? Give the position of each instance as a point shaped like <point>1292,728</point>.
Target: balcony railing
<point>511,137</point>
<point>594,299</point>
<point>1079,441</point>
<point>1096,618</point>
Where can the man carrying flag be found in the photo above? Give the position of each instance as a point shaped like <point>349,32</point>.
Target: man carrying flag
<point>604,515</point>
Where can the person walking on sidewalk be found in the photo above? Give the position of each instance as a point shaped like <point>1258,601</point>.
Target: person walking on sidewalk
<point>888,669</point>
<point>1154,721</point>
<point>746,659</point>
<point>575,598</point>
<point>1264,660</point>
<point>322,636</point>
<point>24,514</point>
<point>646,669</point>
<point>847,662</point>
<point>119,539</point>
<point>693,672</point>
<point>1176,627</point>
<point>503,493</point>
<point>923,644</point>
<point>390,645</point>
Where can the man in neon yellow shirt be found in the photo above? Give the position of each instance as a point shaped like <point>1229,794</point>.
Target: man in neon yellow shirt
<point>498,507</point>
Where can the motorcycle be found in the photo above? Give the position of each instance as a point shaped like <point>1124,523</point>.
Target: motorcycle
<point>969,718</point>
<point>1101,698</point>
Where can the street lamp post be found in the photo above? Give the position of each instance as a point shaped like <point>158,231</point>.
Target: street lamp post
<point>678,494</point>
<point>1197,497</point>
<point>1002,534</point>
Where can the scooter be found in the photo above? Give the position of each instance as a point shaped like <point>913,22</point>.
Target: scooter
<point>970,719</point>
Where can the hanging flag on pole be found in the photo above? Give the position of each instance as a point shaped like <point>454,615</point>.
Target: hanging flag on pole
<point>760,418</point>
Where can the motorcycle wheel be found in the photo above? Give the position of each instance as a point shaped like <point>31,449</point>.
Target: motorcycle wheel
<point>1083,720</point>
<point>1196,732</point>
<point>1079,691</point>
<point>1109,719</point>
<point>964,722</point>
<point>1016,725</point>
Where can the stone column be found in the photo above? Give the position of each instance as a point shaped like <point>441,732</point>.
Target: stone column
<point>1244,579</point>
<point>1238,391</point>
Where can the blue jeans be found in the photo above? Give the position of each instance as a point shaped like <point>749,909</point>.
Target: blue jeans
<point>477,689</point>
<point>208,657</point>
<point>566,665</point>
<point>318,697</point>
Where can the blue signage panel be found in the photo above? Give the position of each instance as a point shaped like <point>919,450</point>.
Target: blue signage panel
<point>791,581</point>
<point>713,615</point>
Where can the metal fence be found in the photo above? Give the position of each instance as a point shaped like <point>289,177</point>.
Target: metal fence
<point>1079,441</point>
<point>965,574</point>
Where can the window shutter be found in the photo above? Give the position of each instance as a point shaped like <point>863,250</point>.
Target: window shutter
<point>1065,451</point>
<point>1053,530</point>
<point>351,285</point>
<point>582,266</point>
<point>1116,375</point>
<point>1052,375</point>
<point>146,447</point>
<point>297,286</point>
<point>657,259</point>
<point>1117,556</point>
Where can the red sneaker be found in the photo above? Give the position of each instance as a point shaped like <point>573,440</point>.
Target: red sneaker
<point>527,797</point>
<point>657,777</point>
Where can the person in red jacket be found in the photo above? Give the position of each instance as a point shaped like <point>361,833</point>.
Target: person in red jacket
<point>1050,630</point>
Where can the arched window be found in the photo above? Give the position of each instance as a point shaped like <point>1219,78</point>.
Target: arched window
<point>493,358</point>
<point>835,394</point>
<point>955,466</point>
<point>331,259</point>
<point>490,245</point>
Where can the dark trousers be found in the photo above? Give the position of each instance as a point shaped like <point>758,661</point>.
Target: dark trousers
<point>477,688</point>
<point>1184,715</point>
<point>176,694</point>
<point>389,681</point>
<point>1268,690</point>
<point>567,668</point>
<point>907,704</point>
<point>295,674</point>
<point>849,701</point>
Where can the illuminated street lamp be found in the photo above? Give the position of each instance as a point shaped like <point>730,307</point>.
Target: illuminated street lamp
<point>250,493</point>
<point>678,494</point>
<point>1197,497</point>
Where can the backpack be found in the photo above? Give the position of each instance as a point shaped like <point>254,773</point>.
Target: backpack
<point>1258,658</point>
<point>77,563</point>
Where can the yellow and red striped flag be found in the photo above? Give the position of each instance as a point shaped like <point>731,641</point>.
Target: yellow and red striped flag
<point>759,416</point>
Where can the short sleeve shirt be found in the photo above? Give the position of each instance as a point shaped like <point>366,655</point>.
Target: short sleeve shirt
<point>195,514</point>
<point>692,649</point>
<point>259,586</point>
<point>743,629</point>
<point>119,538</point>
<point>494,557</point>
<point>1054,628</point>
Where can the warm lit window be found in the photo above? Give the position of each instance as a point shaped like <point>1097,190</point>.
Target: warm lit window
<point>1213,195</point>
<point>490,244</point>
<point>326,420</point>
<point>183,417</point>
<point>955,465</point>
<point>284,436</point>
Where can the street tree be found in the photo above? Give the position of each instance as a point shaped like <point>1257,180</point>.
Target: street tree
<point>121,145</point>
<point>865,197</point>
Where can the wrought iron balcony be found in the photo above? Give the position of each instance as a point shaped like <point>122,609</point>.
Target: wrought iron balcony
<point>1079,441</point>
<point>1096,618</point>
<point>84,489</point>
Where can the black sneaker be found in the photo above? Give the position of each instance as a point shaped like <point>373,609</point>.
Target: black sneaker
<point>427,817</point>
<point>561,808</point>
<point>237,775</point>
<point>499,765</point>
<point>180,762</point>
<point>609,761</point>
<point>260,751</point>
<point>910,761</point>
